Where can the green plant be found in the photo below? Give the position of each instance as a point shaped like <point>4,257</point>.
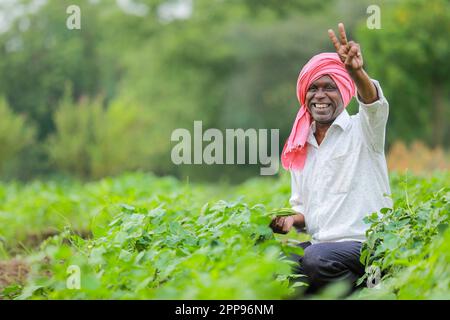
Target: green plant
<point>167,252</point>
<point>146,237</point>
<point>402,242</point>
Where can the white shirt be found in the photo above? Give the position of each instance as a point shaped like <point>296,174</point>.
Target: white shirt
<point>346,177</point>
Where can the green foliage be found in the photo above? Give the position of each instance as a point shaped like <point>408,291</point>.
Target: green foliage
<point>165,251</point>
<point>160,238</point>
<point>15,134</point>
<point>230,64</point>
<point>93,141</point>
<point>173,240</point>
<point>403,243</point>
<point>40,55</point>
<point>409,55</point>
<point>426,276</point>
<point>41,207</point>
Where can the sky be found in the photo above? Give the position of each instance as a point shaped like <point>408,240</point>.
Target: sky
<point>12,9</point>
<point>173,9</point>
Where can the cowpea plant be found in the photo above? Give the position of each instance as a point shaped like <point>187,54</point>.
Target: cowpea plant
<point>401,239</point>
<point>156,237</point>
<point>225,250</point>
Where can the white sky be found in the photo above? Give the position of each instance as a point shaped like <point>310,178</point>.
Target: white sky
<point>173,9</point>
<point>11,9</point>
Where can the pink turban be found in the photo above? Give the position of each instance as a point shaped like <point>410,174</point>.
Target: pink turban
<point>327,63</point>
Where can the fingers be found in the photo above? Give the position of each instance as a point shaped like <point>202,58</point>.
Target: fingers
<point>358,53</point>
<point>287,224</point>
<point>280,225</point>
<point>273,223</point>
<point>280,222</point>
<point>285,228</point>
<point>277,223</point>
<point>352,53</point>
<point>334,39</point>
<point>342,34</point>
<point>352,44</point>
<point>340,44</point>
<point>349,51</point>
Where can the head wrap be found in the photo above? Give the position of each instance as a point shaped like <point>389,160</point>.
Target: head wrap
<point>327,63</point>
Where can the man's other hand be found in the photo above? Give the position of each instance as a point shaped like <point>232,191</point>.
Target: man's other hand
<point>282,224</point>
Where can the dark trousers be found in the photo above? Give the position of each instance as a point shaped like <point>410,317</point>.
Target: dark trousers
<point>328,262</point>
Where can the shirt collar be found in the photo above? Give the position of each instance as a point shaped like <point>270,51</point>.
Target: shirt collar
<point>342,120</point>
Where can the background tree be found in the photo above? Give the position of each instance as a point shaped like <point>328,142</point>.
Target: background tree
<point>410,56</point>
<point>230,64</point>
<point>15,135</point>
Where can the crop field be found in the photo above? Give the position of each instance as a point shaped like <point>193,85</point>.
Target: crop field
<point>137,236</point>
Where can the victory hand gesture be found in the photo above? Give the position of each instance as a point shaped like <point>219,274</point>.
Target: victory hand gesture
<point>348,51</point>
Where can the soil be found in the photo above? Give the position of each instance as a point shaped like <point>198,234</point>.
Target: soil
<point>12,272</point>
<point>15,271</point>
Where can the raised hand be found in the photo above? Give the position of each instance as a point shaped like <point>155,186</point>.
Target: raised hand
<point>348,51</point>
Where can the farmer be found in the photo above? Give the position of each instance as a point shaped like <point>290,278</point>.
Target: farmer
<point>337,163</point>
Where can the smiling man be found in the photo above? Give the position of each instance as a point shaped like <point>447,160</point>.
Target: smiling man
<point>337,163</point>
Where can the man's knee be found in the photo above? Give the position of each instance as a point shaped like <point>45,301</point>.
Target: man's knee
<point>313,262</point>
<point>318,263</point>
<point>326,263</point>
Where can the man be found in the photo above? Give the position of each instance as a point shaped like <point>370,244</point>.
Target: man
<point>337,163</point>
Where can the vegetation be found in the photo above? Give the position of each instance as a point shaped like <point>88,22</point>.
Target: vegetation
<point>86,114</point>
<point>230,64</point>
<point>139,236</point>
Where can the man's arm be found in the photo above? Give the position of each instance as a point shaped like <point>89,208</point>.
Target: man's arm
<point>351,56</point>
<point>373,119</point>
<point>373,107</point>
<point>367,92</point>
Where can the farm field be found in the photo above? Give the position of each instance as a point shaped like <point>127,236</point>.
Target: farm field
<point>137,236</point>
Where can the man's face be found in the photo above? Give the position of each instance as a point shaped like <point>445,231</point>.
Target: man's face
<point>323,100</point>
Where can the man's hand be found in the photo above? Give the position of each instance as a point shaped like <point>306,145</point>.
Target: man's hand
<point>348,51</point>
<point>350,54</point>
<point>282,224</point>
